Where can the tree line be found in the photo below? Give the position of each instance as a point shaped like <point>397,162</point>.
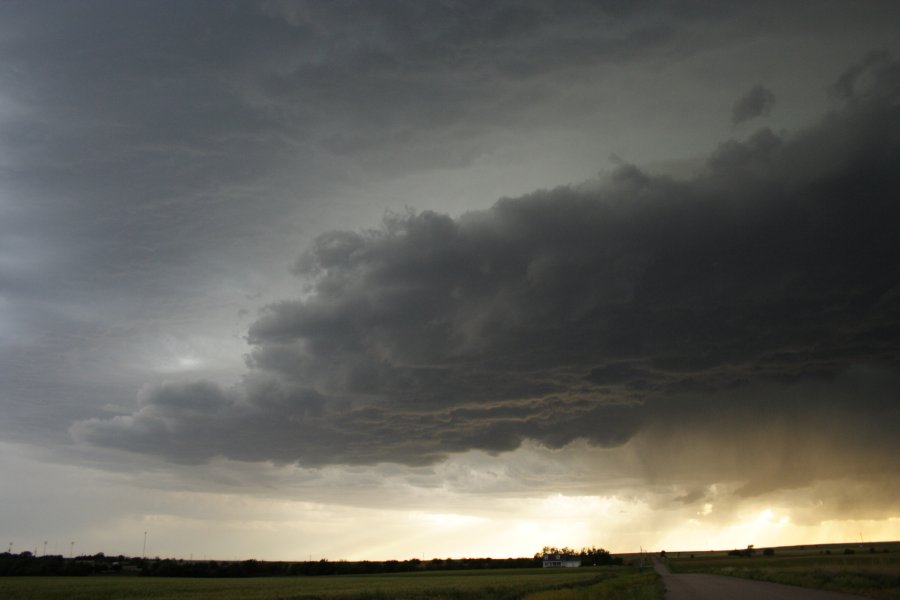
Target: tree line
<point>256,568</point>
<point>26,564</point>
<point>590,557</point>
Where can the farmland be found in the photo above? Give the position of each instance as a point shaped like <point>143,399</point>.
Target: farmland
<point>532,584</point>
<point>872,571</point>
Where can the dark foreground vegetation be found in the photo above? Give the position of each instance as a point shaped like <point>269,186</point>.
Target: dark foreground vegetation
<point>595,583</point>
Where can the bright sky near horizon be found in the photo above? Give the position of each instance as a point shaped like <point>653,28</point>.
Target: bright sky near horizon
<point>370,280</point>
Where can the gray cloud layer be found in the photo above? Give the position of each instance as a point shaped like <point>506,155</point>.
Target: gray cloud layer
<point>745,320</point>
<point>161,163</point>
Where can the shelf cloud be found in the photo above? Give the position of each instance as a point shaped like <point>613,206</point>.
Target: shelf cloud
<point>745,314</point>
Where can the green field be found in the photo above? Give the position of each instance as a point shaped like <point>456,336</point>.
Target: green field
<point>614,583</point>
<point>872,573</point>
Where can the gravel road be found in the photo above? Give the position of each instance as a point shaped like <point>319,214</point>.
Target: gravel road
<point>697,586</point>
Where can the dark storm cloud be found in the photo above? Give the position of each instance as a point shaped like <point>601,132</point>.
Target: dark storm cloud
<point>757,102</point>
<point>137,136</point>
<point>723,323</point>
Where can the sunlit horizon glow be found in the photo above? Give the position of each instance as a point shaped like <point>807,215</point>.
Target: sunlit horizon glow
<point>252,525</point>
<point>292,280</point>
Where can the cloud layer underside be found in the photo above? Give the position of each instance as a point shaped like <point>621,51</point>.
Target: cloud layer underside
<point>733,305</point>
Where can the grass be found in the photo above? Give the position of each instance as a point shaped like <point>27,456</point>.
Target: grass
<point>873,575</point>
<point>557,584</point>
<point>627,586</point>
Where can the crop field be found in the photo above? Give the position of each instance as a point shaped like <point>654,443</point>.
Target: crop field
<point>874,574</point>
<point>615,583</point>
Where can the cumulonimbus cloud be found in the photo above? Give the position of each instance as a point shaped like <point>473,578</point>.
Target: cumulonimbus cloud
<point>601,312</point>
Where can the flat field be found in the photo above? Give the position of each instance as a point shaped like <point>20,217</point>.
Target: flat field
<point>870,574</point>
<point>601,582</point>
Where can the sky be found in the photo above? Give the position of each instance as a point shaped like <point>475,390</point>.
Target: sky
<point>404,279</point>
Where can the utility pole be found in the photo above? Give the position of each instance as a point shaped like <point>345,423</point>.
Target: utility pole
<point>144,551</point>
<point>71,549</point>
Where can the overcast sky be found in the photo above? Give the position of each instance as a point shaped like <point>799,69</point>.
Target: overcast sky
<point>390,279</point>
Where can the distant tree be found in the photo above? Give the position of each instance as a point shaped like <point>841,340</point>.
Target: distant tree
<point>747,553</point>
<point>594,556</point>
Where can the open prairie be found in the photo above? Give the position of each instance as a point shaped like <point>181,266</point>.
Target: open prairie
<point>872,571</point>
<point>600,583</point>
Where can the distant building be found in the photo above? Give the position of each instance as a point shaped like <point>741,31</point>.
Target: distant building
<point>561,560</point>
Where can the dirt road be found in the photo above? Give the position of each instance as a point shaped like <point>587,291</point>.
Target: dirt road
<point>697,586</point>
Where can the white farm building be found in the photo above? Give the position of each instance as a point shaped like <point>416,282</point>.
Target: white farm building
<point>561,560</point>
